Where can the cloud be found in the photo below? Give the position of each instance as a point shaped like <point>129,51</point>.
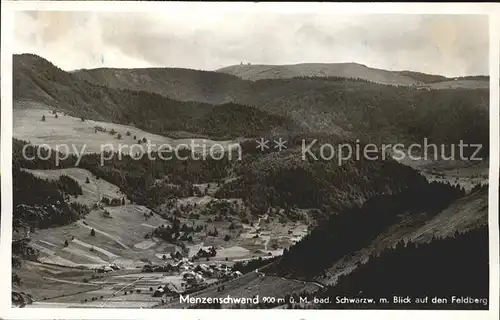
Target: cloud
<point>450,45</point>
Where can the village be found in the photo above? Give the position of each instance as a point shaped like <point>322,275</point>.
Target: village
<point>187,274</point>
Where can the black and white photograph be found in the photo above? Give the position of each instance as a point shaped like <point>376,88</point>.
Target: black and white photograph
<point>250,160</point>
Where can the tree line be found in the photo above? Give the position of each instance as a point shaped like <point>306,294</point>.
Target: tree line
<point>453,266</point>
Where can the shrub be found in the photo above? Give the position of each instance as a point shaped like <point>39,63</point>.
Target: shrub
<point>16,279</point>
<point>69,186</point>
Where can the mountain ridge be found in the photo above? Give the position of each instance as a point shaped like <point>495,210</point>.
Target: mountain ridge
<point>351,108</point>
<point>39,80</point>
<point>352,70</point>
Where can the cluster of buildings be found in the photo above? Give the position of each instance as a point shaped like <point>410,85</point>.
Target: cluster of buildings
<point>107,268</point>
<point>169,289</point>
<point>195,275</point>
<point>215,270</point>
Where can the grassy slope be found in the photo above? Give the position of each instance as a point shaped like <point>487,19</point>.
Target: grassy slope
<point>119,238</point>
<point>72,132</point>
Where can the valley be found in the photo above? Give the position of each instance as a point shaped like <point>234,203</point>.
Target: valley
<point>138,233</point>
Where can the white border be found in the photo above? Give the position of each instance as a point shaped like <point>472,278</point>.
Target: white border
<point>6,160</point>
<point>491,9</point>
<point>493,221</point>
<point>289,7</point>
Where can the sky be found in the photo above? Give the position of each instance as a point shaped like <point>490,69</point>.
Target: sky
<point>449,45</point>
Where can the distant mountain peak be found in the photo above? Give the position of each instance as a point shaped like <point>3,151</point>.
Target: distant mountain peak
<point>345,70</point>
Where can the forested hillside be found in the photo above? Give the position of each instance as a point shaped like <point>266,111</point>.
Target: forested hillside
<point>285,180</point>
<point>352,108</point>
<point>455,266</point>
<point>39,80</point>
<point>39,203</point>
<point>355,228</point>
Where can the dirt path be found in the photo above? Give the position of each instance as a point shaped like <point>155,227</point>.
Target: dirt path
<point>89,256</point>
<point>71,282</point>
<point>96,248</point>
<point>119,290</point>
<point>46,242</point>
<point>52,257</point>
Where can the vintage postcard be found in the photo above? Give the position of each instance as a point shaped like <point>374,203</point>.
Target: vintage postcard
<point>246,156</point>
